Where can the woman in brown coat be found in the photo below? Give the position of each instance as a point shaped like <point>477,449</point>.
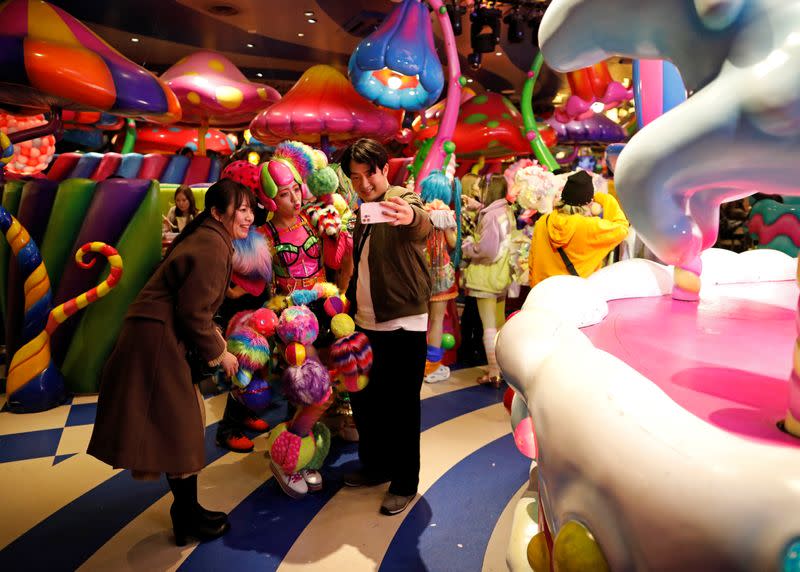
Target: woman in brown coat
<point>150,416</point>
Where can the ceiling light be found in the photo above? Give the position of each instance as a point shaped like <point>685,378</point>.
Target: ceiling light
<point>498,53</point>
<point>308,13</point>
<point>470,80</point>
<point>135,40</point>
<point>312,20</point>
<point>250,46</point>
<point>300,34</point>
<point>259,74</point>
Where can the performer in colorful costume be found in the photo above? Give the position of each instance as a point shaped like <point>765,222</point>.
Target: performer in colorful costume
<point>487,276</point>
<point>437,193</point>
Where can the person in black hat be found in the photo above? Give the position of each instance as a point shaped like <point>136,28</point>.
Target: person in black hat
<point>580,232</point>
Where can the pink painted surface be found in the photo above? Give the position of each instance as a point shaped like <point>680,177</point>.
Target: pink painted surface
<point>727,360</point>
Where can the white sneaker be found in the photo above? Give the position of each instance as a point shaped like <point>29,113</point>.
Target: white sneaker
<point>441,373</point>
<point>293,484</point>
<point>312,478</point>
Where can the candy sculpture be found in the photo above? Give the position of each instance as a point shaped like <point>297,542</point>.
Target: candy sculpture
<point>34,383</point>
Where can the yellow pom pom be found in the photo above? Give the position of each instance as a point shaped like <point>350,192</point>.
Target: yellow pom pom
<point>339,203</point>
<point>329,290</point>
<point>277,303</point>
<point>342,325</point>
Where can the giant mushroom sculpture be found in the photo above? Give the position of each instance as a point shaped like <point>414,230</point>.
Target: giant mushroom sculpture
<point>213,92</point>
<point>488,125</point>
<point>323,108</point>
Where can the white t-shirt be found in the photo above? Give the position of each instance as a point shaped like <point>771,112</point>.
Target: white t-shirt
<point>365,314</point>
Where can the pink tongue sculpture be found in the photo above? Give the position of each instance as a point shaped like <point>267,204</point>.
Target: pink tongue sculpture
<point>213,92</point>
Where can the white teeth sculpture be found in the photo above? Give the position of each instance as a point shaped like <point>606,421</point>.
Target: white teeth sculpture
<point>657,488</point>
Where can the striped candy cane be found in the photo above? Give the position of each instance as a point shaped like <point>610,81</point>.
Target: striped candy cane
<point>34,383</point>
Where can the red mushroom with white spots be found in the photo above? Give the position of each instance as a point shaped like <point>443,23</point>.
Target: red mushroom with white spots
<point>489,126</point>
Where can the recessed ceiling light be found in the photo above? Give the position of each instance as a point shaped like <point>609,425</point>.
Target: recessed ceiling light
<point>259,74</point>
<point>312,20</point>
<point>308,13</point>
<point>470,80</point>
<point>300,34</point>
<point>250,46</point>
<point>134,40</point>
<point>498,53</point>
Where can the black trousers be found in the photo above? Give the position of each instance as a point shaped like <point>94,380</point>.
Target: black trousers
<point>387,410</point>
<point>233,418</point>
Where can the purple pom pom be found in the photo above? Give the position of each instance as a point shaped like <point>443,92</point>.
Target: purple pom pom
<point>306,384</point>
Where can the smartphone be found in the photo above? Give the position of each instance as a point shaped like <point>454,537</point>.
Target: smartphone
<point>372,213</point>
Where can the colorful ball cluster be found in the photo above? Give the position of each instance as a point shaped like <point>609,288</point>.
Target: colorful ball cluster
<point>29,157</point>
<point>298,324</point>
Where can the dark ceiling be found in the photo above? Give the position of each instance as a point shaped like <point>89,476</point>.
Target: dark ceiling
<point>273,42</point>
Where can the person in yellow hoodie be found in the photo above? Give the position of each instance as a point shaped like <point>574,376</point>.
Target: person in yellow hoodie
<point>580,232</point>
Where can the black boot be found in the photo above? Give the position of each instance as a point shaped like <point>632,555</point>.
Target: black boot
<point>191,519</point>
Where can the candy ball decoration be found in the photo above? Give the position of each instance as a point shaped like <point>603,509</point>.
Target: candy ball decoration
<point>342,325</point>
<point>350,355</point>
<point>295,354</point>
<point>29,157</point>
<point>298,324</point>
<point>256,396</point>
<point>448,341</point>
<point>265,322</point>
<point>306,384</point>
<point>335,305</point>
<point>291,452</point>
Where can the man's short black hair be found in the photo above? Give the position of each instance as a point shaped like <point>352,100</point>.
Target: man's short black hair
<point>367,152</point>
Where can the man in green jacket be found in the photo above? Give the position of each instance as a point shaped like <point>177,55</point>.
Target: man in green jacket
<point>389,294</point>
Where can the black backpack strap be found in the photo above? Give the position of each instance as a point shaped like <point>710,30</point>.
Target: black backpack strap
<point>567,262</point>
<point>564,257</point>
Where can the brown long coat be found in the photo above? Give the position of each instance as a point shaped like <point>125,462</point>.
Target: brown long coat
<point>147,414</point>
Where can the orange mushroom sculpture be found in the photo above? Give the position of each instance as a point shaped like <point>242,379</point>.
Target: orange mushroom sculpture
<point>213,92</point>
<point>51,60</point>
<point>488,126</point>
<point>323,108</point>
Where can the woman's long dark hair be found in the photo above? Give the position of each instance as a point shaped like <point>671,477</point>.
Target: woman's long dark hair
<point>221,195</point>
<point>186,191</point>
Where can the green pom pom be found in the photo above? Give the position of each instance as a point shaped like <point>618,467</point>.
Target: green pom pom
<point>322,439</point>
<point>448,341</point>
<point>462,80</point>
<point>322,182</point>
<point>449,147</point>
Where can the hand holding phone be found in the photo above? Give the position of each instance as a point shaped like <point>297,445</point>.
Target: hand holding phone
<point>372,213</point>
